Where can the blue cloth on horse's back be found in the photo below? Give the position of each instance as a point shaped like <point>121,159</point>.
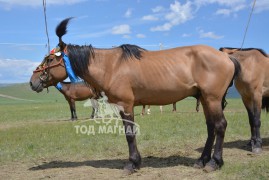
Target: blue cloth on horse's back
<point>59,86</point>
<point>73,78</point>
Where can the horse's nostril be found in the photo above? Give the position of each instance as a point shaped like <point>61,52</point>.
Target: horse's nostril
<point>30,83</point>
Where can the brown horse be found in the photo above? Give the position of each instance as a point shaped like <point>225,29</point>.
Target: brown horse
<point>132,76</point>
<point>253,86</point>
<point>76,92</point>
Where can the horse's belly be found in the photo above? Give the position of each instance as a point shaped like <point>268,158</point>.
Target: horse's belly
<point>164,97</point>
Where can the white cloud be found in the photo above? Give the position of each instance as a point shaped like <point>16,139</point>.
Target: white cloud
<point>178,14</point>
<point>210,35</point>
<point>140,35</point>
<point>94,35</point>
<point>225,12</point>
<point>164,27</point>
<point>227,7</point>
<point>261,5</point>
<point>186,35</point>
<point>121,29</point>
<point>125,36</point>
<point>150,18</point>
<point>220,2</point>
<point>158,9</point>
<point>15,70</point>
<point>8,4</point>
<point>128,13</point>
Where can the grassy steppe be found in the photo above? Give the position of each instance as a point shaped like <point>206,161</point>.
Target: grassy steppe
<point>38,134</point>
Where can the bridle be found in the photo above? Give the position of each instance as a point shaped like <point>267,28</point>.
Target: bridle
<point>45,67</point>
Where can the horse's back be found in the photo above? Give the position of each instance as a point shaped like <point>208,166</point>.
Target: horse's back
<point>177,73</point>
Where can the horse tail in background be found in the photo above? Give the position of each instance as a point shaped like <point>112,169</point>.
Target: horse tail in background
<point>265,104</point>
<point>237,70</point>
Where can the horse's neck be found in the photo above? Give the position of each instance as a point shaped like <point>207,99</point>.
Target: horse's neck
<point>102,67</point>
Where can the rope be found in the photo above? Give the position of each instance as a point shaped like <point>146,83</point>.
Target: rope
<point>250,15</point>
<point>44,8</point>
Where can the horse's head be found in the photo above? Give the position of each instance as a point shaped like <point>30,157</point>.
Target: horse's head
<point>228,50</point>
<point>49,72</point>
<point>52,69</point>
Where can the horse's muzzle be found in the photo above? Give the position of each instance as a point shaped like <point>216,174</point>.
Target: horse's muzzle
<point>36,86</point>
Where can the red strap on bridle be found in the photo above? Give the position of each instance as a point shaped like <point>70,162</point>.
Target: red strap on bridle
<point>47,67</point>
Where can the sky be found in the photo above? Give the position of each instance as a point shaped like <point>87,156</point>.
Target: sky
<point>151,24</point>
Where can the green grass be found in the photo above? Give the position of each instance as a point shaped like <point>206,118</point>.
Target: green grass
<point>39,129</point>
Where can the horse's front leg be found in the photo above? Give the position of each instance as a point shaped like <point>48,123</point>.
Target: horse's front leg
<point>134,156</point>
<point>72,106</point>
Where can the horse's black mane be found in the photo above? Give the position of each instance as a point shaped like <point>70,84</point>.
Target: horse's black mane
<point>130,51</point>
<point>246,49</point>
<point>80,56</point>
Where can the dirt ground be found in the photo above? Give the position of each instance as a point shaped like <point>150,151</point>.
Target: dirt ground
<point>172,166</point>
<point>108,169</point>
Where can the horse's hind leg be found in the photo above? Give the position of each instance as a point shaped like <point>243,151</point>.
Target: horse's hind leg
<point>253,107</point>
<point>216,126</point>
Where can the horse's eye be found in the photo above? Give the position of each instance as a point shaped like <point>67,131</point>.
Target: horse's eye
<point>50,60</point>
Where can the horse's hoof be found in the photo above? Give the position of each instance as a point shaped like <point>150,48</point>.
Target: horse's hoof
<point>256,146</point>
<point>201,162</point>
<point>256,150</point>
<point>198,164</point>
<point>128,169</point>
<point>211,166</point>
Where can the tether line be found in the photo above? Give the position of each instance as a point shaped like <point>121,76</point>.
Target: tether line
<point>250,15</point>
<point>44,8</point>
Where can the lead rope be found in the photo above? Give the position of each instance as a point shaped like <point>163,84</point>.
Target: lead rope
<point>46,27</point>
<point>250,15</point>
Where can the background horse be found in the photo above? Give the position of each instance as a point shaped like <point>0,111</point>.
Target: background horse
<point>76,92</point>
<point>132,76</point>
<point>161,109</point>
<point>253,86</point>
<point>72,91</point>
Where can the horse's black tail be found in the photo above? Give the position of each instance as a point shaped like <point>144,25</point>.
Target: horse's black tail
<point>265,104</point>
<point>237,70</point>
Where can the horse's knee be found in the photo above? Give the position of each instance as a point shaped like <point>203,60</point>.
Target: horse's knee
<point>220,126</point>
